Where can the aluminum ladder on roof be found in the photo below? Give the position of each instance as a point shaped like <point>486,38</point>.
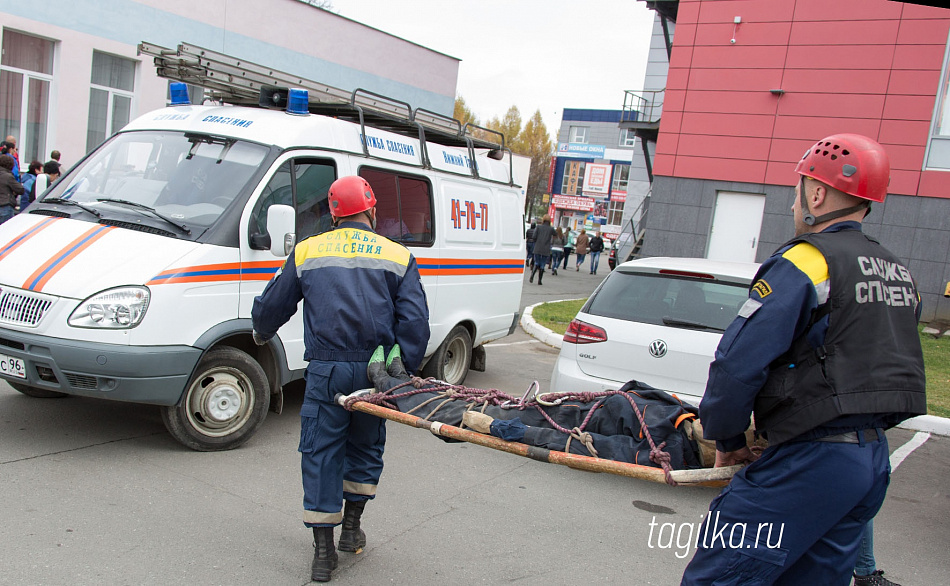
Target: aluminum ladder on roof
<point>240,82</point>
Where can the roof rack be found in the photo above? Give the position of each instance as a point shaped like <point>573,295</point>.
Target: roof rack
<point>240,82</point>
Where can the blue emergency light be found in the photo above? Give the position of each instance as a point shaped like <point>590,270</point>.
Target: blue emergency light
<point>179,93</point>
<point>298,102</point>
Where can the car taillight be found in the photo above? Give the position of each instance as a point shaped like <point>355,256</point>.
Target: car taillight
<point>580,332</point>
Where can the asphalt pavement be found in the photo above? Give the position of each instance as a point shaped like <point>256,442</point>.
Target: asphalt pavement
<point>97,492</point>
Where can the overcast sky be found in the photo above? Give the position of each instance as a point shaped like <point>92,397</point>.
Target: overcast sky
<point>535,54</point>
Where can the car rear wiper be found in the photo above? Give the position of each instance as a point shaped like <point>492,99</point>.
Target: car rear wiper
<point>672,321</point>
<point>148,209</point>
<point>69,202</point>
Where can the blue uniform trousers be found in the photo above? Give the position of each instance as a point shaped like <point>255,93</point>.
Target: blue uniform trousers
<point>816,497</point>
<point>341,452</point>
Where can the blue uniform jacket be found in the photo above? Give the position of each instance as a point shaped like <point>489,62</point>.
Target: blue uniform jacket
<point>773,317</point>
<point>360,290</point>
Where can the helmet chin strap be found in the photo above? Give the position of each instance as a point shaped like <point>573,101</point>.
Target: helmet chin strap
<point>809,219</point>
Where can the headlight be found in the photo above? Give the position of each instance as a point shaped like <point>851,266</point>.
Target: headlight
<point>119,308</point>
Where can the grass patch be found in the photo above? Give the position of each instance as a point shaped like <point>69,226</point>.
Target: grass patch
<point>937,366</point>
<point>557,315</point>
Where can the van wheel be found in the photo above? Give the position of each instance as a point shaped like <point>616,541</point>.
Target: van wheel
<point>224,404</point>
<point>36,392</point>
<point>451,360</point>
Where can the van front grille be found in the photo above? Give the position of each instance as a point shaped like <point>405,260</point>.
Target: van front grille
<point>23,308</point>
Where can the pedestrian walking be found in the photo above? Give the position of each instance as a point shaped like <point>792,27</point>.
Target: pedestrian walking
<point>360,291</point>
<point>529,243</point>
<point>825,353</point>
<point>596,247</point>
<point>557,250</point>
<point>568,246</point>
<point>542,248</point>
<point>581,248</point>
<point>36,168</point>
<point>10,189</point>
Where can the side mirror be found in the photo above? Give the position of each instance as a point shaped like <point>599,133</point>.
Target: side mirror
<point>281,221</point>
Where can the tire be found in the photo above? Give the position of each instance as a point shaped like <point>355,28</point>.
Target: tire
<point>37,392</point>
<point>224,403</point>
<point>452,358</point>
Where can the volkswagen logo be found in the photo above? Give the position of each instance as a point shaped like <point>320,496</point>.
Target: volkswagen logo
<point>658,348</point>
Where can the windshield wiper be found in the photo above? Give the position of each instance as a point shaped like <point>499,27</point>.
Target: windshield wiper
<point>671,321</point>
<point>148,209</point>
<point>69,202</point>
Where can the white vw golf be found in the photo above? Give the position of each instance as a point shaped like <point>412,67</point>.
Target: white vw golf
<point>655,320</point>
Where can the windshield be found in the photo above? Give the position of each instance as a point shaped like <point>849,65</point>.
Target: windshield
<point>188,178</point>
<point>670,301</point>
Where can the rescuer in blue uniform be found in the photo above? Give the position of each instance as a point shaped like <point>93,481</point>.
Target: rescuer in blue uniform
<point>825,354</point>
<point>360,291</point>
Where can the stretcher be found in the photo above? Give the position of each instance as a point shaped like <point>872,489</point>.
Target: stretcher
<point>636,431</point>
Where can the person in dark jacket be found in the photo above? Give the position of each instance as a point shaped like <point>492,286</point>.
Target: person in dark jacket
<point>596,247</point>
<point>557,250</point>
<point>10,189</point>
<point>29,178</point>
<point>360,291</point>
<point>542,248</point>
<point>529,243</point>
<point>826,354</point>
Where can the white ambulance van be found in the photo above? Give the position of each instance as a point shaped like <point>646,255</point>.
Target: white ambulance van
<point>132,277</point>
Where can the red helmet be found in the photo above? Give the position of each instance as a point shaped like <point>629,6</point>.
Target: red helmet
<point>350,195</point>
<point>851,163</point>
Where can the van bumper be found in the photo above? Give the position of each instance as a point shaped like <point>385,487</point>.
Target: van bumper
<point>140,374</point>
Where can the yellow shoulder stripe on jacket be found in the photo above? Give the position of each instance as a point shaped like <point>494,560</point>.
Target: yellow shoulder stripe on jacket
<point>350,243</point>
<point>809,260</point>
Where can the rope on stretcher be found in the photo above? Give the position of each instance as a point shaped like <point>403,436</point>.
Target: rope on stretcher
<point>494,397</point>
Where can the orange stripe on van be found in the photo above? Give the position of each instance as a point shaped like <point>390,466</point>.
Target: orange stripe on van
<point>219,272</point>
<point>27,235</point>
<point>42,275</point>
<point>469,266</point>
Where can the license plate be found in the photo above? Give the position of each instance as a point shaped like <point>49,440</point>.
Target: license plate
<point>12,366</point>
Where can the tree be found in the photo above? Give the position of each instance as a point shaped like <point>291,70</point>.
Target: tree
<point>510,126</point>
<point>462,112</point>
<point>535,142</point>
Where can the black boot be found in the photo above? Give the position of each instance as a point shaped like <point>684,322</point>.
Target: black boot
<point>325,558</point>
<point>540,276</point>
<point>533,271</point>
<point>352,538</point>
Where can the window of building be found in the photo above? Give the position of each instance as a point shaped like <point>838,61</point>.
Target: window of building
<point>615,213</point>
<point>628,138</point>
<point>403,206</point>
<point>621,178</point>
<point>938,151</point>
<point>110,96</point>
<point>26,72</point>
<point>579,134</point>
<point>573,183</point>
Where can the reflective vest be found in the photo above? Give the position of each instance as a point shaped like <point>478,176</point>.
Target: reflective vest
<point>870,361</point>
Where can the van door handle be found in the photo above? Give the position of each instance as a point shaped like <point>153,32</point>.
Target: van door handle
<point>753,241</point>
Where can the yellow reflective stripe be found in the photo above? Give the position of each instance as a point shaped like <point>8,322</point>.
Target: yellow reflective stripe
<point>809,260</point>
<point>350,243</point>
<point>318,517</point>
<point>359,488</point>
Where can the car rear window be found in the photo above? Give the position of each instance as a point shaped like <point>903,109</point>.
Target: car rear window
<point>671,301</point>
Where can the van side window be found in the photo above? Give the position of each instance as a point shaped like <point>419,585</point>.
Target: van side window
<point>403,206</point>
<point>302,183</point>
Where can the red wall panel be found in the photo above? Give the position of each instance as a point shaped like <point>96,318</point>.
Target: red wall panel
<point>735,79</point>
<point>845,10</point>
<point>914,83</point>
<point>676,78</point>
<point>909,107</point>
<point>782,173</point>
<point>924,32</point>
<point>720,169</point>
<point>847,81</point>
<point>915,11</point>
<point>682,56</point>
<point>840,57</point>
<point>663,164</point>
<point>669,145</point>
<point>670,122</point>
<point>738,57</point>
<point>854,32</point>
<point>728,124</point>
<point>814,127</point>
<point>673,101</point>
<point>685,33</point>
<point>751,33</point>
<point>913,132</point>
<point>833,105</point>
<point>904,182</point>
<point>785,150</point>
<point>749,10</point>
<point>726,147</point>
<point>918,57</point>
<point>905,157</point>
<point>731,102</point>
<point>934,184</point>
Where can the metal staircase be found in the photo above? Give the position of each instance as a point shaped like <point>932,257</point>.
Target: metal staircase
<point>237,81</point>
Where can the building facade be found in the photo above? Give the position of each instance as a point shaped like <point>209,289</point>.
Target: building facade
<point>752,85</point>
<point>70,75</point>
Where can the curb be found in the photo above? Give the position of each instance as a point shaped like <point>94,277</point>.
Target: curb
<point>925,423</point>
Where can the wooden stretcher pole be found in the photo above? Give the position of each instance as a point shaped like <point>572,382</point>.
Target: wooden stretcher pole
<point>701,477</point>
